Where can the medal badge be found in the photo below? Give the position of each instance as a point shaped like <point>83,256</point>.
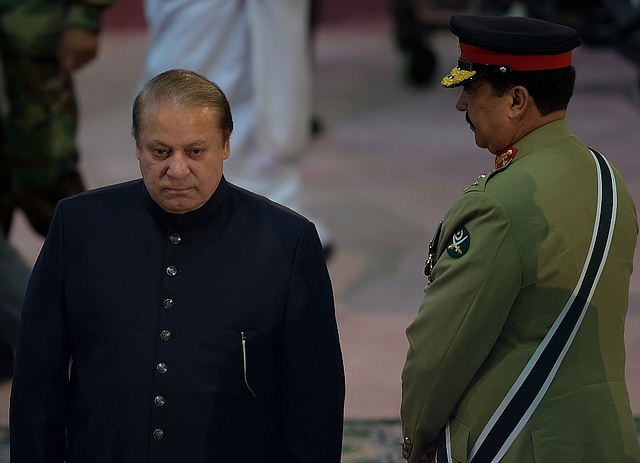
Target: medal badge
<point>432,257</point>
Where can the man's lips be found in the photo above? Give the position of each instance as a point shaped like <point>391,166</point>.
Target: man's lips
<point>177,189</point>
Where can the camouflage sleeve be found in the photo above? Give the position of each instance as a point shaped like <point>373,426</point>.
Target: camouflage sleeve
<point>86,14</point>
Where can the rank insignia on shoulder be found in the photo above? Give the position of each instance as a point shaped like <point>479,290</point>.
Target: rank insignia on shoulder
<point>477,182</point>
<point>459,243</point>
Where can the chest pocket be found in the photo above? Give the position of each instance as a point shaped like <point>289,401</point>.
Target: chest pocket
<point>234,359</point>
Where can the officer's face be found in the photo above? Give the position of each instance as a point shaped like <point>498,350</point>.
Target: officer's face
<point>487,115</point>
<point>181,153</point>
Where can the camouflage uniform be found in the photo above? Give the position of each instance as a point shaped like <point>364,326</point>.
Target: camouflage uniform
<point>39,162</point>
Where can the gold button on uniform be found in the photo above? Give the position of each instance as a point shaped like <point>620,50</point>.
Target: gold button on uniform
<point>162,367</point>
<point>165,335</point>
<point>159,401</point>
<point>175,238</point>
<point>172,271</point>
<point>158,434</point>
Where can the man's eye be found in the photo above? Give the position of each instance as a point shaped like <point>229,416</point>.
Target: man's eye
<point>196,152</point>
<point>159,152</point>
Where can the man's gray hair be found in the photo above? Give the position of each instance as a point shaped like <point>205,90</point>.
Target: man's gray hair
<point>181,88</point>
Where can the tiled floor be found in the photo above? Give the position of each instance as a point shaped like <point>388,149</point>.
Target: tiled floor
<point>391,161</point>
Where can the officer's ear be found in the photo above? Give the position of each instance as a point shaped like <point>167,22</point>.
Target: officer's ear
<point>520,101</point>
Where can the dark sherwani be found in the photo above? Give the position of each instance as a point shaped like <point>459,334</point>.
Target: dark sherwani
<point>203,337</point>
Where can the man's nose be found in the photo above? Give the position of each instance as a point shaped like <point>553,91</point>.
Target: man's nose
<point>461,104</point>
<point>178,165</point>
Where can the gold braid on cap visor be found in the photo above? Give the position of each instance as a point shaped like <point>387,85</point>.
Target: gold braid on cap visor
<point>456,76</point>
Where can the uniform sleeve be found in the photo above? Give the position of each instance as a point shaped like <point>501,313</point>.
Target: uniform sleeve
<point>39,399</point>
<point>86,14</point>
<point>461,316</point>
<point>313,384</point>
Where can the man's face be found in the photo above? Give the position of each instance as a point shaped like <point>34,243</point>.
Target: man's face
<point>181,153</point>
<point>487,115</point>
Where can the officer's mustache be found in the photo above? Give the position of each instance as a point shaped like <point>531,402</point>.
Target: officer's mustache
<point>466,116</point>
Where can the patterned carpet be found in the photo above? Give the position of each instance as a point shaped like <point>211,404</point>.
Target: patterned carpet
<point>377,441</point>
<point>365,441</point>
<point>372,441</point>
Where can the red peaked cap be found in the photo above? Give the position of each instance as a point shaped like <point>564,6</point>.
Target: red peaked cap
<point>490,44</point>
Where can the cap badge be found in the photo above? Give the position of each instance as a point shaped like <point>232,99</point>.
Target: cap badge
<point>459,243</point>
<point>504,158</point>
<point>457,75</point>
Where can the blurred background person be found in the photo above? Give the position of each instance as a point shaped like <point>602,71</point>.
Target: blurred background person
<point>14,275</point>
<point>41,43</point>
<point>260,54</point>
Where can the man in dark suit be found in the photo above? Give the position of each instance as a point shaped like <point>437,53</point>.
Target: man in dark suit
<point>178,318</point>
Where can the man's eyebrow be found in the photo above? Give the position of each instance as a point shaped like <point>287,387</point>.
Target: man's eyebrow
<point>157,143</point>
<point>196,143</point>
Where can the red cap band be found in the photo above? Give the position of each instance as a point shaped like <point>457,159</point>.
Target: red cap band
<point>516,62</point>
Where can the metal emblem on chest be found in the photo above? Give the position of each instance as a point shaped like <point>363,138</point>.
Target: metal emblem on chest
<point>432,257</point>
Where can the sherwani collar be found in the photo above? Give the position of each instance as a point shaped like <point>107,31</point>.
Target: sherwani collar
<point>189,218</point>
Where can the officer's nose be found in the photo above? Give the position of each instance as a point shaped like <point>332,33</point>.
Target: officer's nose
<point>461,104</point>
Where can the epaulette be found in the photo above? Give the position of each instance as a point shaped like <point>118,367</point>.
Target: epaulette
<point>478,184</point>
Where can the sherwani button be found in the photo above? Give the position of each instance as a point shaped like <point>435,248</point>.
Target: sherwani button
<point>159,401</point>
<point>175,238</point>
<point>158,434</point>
<point>172,271</point>
<point>168,303</point>
<point>162,367</point>
<point>165,335</point>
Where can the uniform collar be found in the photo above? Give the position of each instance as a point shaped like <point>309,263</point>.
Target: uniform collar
<point>546,135</point>
<point>504,157</point>
<point>188,218</point>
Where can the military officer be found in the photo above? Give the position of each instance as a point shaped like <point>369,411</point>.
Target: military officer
<point>517,351</point>
<point>197,318</point>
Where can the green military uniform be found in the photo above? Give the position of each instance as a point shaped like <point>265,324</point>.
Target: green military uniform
<point>39,163</point>
<point>510,253</point>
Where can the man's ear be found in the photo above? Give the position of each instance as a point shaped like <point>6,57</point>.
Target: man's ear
<point>227,148</point>
<point>520,101</point>
<point>138,152</point>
